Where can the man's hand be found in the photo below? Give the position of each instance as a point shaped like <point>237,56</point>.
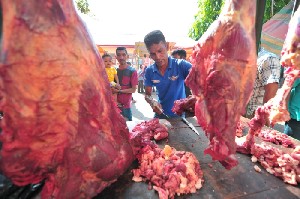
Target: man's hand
<point>190,103</point>
<point>157,108</point>
<point>114,90</point>
<point>118,86</point>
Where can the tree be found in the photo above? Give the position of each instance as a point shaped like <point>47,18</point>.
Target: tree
<point>273,7</point>
<point>83,6</point>
<point>209,10</point>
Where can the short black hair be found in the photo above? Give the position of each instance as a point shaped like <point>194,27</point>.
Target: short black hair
<point>106,55</point>
<point>121,48</point>
<point>154,37</point>
<point>180,52</point>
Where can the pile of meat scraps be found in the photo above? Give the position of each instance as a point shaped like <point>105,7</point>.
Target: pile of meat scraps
<point>222,76</point>
<point>283,161</point>
<point>170,172</point>
<point>60,122</point>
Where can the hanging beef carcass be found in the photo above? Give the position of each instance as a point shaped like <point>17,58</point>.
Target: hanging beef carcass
<point>60,122</point>
<point>275,110</point>
<point>222,76</point>
<point>281,163</point>
<point>290,54</point>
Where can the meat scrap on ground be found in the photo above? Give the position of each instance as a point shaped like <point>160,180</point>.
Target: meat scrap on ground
<point>276,160</point>
<point>278,163</point>
<point>171,172</point>
<point>60,123</point>
<point>222,76</point>
<point>276,137</point>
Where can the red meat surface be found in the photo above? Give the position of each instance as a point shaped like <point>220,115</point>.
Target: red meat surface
<point>291,48</point>
<point>277,138</point>
<point>60,122</point>
<point>143,134</point>
<point>183,105</point>
<point>171,172</point>
<point>222,76</point>
<point>275,110</point>
<point>275,161</point>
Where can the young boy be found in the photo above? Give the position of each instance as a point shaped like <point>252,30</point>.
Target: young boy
<point>111,73</point>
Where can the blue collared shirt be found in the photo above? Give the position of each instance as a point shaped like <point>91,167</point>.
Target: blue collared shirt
<point>170,86</point>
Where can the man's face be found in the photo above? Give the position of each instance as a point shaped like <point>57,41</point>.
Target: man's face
<point>159,53</point>
<point>122,57</point>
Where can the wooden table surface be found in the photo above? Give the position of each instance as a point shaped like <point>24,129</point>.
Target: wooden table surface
<point>240,182</point>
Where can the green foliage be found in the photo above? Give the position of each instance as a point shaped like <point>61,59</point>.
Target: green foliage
<point>83,6</point>
<point>209,10</point>
<point>278,4</point>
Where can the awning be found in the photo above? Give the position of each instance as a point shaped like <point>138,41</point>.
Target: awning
<point>274,30</point>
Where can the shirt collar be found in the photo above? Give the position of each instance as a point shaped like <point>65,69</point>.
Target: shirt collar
<point>169,64</point>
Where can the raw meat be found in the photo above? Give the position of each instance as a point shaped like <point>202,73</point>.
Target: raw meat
<point>282,161</point>
<point>169,171</point>
<point>239,129</point>
<point>183,105</point>
<point>277,138</point>
<point>143,134</point>
<point>277,162</point>
<point>172,172</point>
<point>290,54</point>
<point>222,76</point>
<point>60,122</point>
<point>275,110</point>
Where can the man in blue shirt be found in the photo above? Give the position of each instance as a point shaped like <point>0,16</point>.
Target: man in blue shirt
<point>166,74</point>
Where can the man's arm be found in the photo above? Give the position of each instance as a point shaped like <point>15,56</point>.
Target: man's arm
<point>152,102</point>
<point>128,90</point>
<point>270,91</point>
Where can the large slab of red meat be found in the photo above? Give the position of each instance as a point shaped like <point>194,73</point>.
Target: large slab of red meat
<point>60,123</point>
<point>222,76</point>
<point>290,54</point>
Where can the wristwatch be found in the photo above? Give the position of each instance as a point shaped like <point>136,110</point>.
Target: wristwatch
<point>119,91</point>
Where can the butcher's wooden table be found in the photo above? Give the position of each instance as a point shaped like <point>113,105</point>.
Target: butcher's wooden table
<point>240,182</point>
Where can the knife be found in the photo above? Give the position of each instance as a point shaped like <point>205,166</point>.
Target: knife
<point>190,125</point>
<point>162,112</point>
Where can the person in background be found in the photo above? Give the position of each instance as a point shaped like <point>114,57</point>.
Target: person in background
<point>292,127</point>
<point>266,82</point>
<point>146,60</point>
<point>111,73</point>
<point>128,81</point>
<point>141,73</point>
<point>133,100</point>
<point>166,74</point>
<point>181,54</point>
